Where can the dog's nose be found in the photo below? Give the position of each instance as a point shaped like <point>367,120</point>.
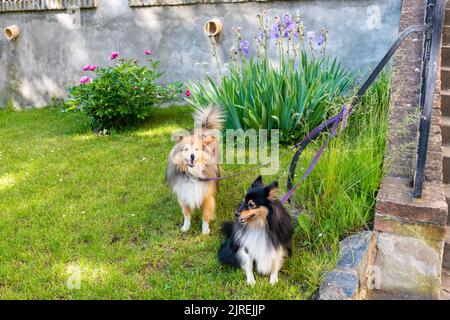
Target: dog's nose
<point>192,157</point>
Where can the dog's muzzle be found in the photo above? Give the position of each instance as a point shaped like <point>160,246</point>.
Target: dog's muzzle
<point>191,162</point>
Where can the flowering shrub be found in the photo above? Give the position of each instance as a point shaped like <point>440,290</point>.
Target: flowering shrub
<point>122,94</point>
<point>294,96</point>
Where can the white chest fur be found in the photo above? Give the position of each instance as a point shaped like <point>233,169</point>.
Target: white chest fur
<point>260,250</point>
<point>190,192</point>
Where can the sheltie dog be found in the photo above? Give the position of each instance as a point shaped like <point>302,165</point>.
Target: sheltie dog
<point>193,160</point>
<point>261,234</point>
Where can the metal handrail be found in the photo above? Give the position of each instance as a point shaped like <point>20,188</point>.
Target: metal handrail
<point>433,30</point>
<point>432,45</point>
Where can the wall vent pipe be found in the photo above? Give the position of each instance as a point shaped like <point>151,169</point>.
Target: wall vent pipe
<point>11,32</point>
<point>213,27</point>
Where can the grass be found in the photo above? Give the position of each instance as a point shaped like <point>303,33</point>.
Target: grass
<point>340,194</point>
<point>74,200</point>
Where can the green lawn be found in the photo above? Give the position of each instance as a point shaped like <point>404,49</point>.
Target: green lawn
<point>72,198</point>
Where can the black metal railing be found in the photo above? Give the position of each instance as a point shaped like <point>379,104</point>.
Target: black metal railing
<point>432,46</point>
<point>432,29</point>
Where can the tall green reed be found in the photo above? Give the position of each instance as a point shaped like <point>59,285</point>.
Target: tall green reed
<point>339,196</point>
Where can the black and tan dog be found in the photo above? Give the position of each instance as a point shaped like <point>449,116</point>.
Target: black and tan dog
<point>261,234</point>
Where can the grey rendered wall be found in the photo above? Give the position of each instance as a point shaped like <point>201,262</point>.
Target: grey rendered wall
<point>52,48</point>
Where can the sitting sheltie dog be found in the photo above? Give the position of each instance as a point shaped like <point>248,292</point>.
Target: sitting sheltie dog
<point>193,160</point>
<point>261,234</point>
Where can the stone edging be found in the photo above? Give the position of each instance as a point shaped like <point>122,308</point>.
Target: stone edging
<point>41,5</point>
<point>348,281</point>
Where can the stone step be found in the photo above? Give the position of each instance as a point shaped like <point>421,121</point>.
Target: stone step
<point>447,16</point>
<point>445,56</point>
<point>445,78</point>
<point>445,284</point>
<point>446,32</point>
<point>447,198</point>
<point>446,258</point>
<point>445,103</point>
<point>447,234</point>
<point>446,163</point>
<point>445,130</point>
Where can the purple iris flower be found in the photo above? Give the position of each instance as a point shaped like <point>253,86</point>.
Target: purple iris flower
<point>275,31</point>
<point>261,36</point>
<point>320,40</point>
<point>244,46</point>
<point>289,25</point>
<point>286,19</point>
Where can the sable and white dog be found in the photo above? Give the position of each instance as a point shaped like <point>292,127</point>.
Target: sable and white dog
<point>196,157</point>
<point>262,234</point>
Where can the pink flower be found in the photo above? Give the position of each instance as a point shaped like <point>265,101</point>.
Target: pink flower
<point>93,67</point>
<point>84,80</point>
<point>187,93</point>
<point>86,67</point>
<point>114,55</point>
<point>148,52</point>
<point>136,88</point>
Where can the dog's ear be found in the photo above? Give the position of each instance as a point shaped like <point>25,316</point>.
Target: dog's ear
<point>258,182</point>
<point>272,190</point>
<point>178,136</point>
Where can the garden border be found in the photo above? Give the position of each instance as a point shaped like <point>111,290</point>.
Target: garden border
<point>350,279</point>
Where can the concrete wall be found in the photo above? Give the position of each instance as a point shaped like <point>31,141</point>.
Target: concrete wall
<point>49,54</point>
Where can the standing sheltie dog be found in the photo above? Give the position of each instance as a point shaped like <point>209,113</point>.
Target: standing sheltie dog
<point>193,160</point>
<point>261,234</point>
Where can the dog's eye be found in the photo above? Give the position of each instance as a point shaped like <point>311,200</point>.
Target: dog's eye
<point>185,149</point>
<point>196,149</point>
<point>251,205</point>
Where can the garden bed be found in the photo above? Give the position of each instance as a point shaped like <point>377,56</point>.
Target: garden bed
<point>75,201</point>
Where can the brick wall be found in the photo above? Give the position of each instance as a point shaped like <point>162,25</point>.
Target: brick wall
<point>410,232</point>
<point>395,196</point>
<point>405,95</point>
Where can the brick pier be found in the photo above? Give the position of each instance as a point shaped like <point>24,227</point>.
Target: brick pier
<point>409,232</point>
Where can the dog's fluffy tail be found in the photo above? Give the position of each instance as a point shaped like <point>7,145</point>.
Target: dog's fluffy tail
<point>227,229</point>
<point>209,118</point>
<point>228,249</point>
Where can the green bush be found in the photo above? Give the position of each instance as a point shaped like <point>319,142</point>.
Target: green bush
<point>122,94</point>
<point>293,97</point>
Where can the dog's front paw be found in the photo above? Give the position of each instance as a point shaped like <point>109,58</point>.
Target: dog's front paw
<point>205,228</point>
<point>186,224</point>
<point>251,281</point>
<point>273,280</point>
